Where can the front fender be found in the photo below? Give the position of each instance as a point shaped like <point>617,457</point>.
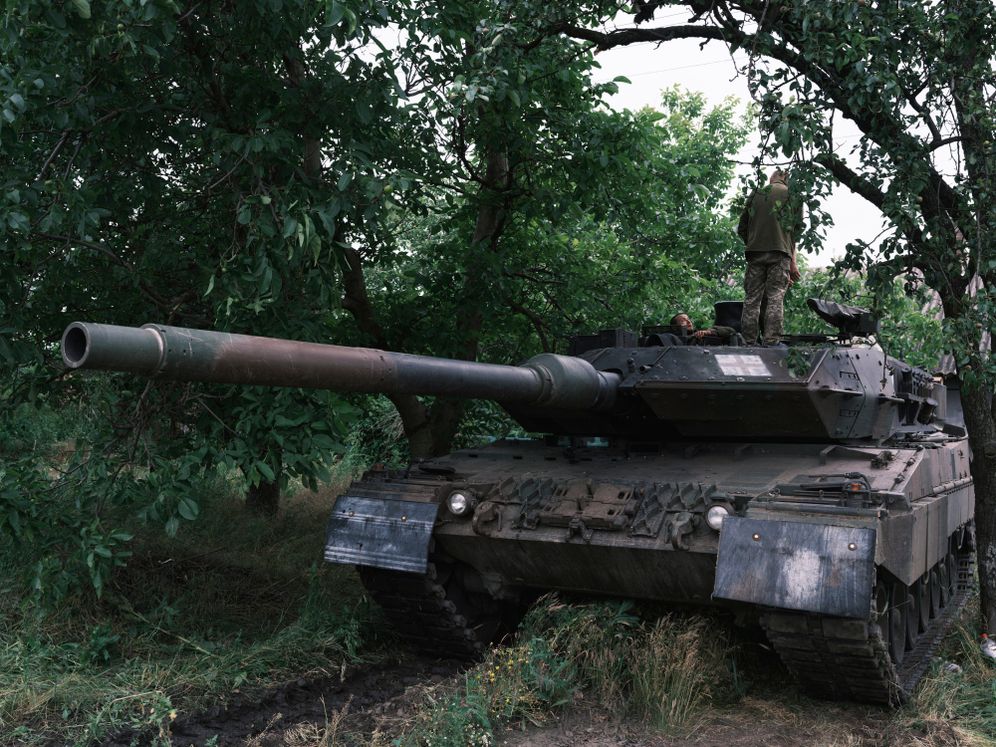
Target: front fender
<point>797,565</point>
<point>380,532</point>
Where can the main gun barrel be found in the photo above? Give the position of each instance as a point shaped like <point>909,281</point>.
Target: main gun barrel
<point>183,354</point>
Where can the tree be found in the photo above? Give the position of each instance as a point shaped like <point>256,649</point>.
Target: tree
<point>204,166</point>
<point>241,167</point>
<point>918,79</point>
<point>201,166</point>
<point>529,149</point>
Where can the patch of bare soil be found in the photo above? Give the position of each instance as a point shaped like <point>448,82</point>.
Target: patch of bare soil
<point>752,722</point>
<point>305,712</point>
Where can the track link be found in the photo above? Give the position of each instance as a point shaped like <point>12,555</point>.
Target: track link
<point>423,613</point>
<point>431,611</point>
<point>846,659</point>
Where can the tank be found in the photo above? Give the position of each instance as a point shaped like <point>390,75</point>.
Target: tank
<point>820,489</point>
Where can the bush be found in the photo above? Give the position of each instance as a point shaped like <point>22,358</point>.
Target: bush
<point>661,671</point>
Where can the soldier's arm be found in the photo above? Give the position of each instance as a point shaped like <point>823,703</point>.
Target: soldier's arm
<point>744,224</point>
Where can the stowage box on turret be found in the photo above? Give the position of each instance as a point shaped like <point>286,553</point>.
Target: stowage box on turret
<point>821,489</point>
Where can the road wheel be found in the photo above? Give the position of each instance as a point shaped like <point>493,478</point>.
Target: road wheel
<point>921,592</point>
<point>935,594</point>
<point>898,621</point>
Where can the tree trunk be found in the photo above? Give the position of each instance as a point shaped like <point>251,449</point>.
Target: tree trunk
<point>437,432</point>
<point>264,499</point>
<point>430,431</point>
<point>977,401</point>
<point>436,438</point>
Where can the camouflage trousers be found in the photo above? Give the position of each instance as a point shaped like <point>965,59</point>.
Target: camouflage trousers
<point>767,279</point>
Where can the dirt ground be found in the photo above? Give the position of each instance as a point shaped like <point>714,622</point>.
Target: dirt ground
<point>754,723</point>
<point>371,705</point>
<point>342,710</point>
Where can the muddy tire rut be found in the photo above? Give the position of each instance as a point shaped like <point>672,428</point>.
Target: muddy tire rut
<point>300,712</point>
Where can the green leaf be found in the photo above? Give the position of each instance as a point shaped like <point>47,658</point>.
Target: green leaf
<point>325,443</point>
<point>334,12</point>
<point>82,8</point>
<point>188,509</point>
<point>283,422</point>
<point>266,471</point>
<point>290,226</point>
<point>14,519</point>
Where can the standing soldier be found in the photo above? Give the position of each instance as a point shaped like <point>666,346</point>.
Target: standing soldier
<point>767,227</point>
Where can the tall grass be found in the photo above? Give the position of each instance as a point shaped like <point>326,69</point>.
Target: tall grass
<point>663,672</point>
<point>677,668</point>
<point>956,706</point>
<point>675,673</point>
<point>233,603</point>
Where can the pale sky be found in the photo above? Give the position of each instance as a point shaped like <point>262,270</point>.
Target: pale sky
<point>710,70</point>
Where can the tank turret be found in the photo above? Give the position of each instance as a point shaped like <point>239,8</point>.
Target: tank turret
<point>841,394</point>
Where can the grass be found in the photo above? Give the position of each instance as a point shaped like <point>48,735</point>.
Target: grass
<point>661,671</point>
<point>956,707</point>
<point>237,603</point>
<point>681,675</point>
<point>233,603</point>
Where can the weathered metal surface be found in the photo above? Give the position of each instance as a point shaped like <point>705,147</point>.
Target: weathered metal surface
<point>841,487</point>
<point>937,484</point>
<point>182,354</point>
<point>821,394</point>
<point>846,394</point>
<point>797,566</point>
<point>380,532</point>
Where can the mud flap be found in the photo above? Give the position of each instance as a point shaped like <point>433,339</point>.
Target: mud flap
<point>796,566</point>
<point>380,532</point>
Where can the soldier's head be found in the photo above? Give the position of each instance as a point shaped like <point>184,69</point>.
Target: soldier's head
<point>779,176</point>
<point>684,321</point>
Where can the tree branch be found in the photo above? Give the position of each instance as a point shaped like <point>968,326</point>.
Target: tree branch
<point>53,154</point>
<point>851,179</point>
<point>536,321</point>
<point>157,299</point>
<point>883,130</point>
<point>356,300</point>
<point>607,40</point>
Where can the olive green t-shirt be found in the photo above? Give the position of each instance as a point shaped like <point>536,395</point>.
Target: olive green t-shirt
<point>767,222</point>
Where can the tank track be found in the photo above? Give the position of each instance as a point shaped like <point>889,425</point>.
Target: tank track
<point>846,659</point>
<point>433,612</point>
<point>424,613</point>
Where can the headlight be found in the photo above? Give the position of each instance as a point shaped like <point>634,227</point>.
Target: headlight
<point>715,516</point>
<point>458,503</point>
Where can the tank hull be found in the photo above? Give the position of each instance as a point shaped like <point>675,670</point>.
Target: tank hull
<point>839,540</point>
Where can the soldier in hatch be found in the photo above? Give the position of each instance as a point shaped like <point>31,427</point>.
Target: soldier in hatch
<point>697,336</point>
